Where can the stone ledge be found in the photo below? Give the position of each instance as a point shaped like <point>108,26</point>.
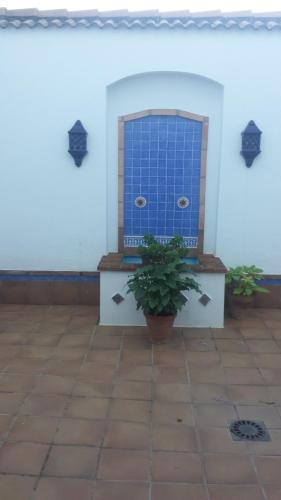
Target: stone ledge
<point>208,263</point>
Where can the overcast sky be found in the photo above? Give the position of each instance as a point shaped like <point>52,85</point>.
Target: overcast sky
<point>192,5</point>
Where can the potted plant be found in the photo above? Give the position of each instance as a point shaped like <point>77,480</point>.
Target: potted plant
<point>158,285</point>
<point>242,286</point>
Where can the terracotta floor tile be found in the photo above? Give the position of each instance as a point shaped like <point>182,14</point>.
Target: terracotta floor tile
<point>222,468</point>
<point>12,382</point>
<point>36,352</point>
<point>209,375</point>
<point>251,394</point>
<point>134,330</point>
<point>271,377</point>
<point>223,492</point>
<point>200,345</point>
<point>267,414</point>
<point>272,447</point>
<point>131,410</point>
<point>140,357</point>
<point>14,338</point>
<point>276,333</point>
<point>273,492</point>
<point>54,384</point>
<point>203,359</point>
<point>10,402</point>
<point>132,390</point>
<point>274,394</point>
<point>106,341</point>
<point>256,333</point>
<point>63,489</point>
<point>109,330</point>
<point>51,328</point>
<point>219,439</point>
<point>174,438</point>
<point>237,360</point>
<point>172,413</point>
<point>80,325</point>
<point>33,429</point>
<point>176,467</point>
<point>86,386</point>
<point>5,421</point>
<point>269,313</point>
<point>22,458</point>
<point>253,322</point>
<point>177,393</point>
<point>106,490</point>
<point>168,357</point>
<point>21,365</point>
<point>124,464</point>
<point>263,346</point>
<point>127,435</point>
<point>134,342</point>
<point>225,345</point>
<point>169,375</point>
<point>196,333</point>
<point>214,415</point>
<point>268,360</point>
<point>9,351</point>
<point>72,461</point>
<point>16,487</point>
<point>45,406</point>
<point>43,339</point>
<point>142,373</point>
<point>62,367</point>
<point>93,408</point>
<point>75,341</point>
<point>269,469</point>
<point>69,353</point>
<point>107,356</point>
<point>209,393</point>
<point>226,333</point>
<point>98,371</point>
<point>81,432</point>
<point>273,323</point>
<point>243,376</point>
<point>178,492</point>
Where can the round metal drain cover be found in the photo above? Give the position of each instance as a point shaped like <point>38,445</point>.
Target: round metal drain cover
<point>248,430</point>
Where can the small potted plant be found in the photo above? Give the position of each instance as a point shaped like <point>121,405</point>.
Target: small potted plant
<point>242,286</point>
<point>158,285</point>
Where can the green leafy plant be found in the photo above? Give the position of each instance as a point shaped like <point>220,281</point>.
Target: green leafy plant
<point>242,280</point>
<point>158,286</point>
<point>153,252</point>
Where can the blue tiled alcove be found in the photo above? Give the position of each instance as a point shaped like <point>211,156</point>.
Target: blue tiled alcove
<point>162,166</point>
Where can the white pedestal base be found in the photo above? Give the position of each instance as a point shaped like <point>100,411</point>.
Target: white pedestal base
<point>193,314</point>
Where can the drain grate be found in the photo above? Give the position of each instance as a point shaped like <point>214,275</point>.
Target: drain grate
<point>249,430</point>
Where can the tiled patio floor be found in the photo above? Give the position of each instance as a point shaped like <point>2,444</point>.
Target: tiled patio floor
<point>97,413</point>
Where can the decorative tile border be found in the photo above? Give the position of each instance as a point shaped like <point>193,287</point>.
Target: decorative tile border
<point>213,20</point>
<point>135,241</point>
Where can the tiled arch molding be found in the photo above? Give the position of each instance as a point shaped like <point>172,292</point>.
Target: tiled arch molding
<point>162,157</point>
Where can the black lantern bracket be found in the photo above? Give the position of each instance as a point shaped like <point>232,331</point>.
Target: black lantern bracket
<point>251,140</point>
<point>77,142</point>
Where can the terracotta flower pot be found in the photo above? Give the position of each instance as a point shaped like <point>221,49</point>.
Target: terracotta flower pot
<point>159,328</point>
<point>238,302</point>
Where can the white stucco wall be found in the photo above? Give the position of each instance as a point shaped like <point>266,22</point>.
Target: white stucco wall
<point>54,216</point>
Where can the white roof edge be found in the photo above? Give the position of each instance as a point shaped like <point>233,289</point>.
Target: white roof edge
<point>33,12</point>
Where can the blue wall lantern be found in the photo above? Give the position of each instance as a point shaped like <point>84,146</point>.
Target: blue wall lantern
<point>77,142</point>
<point>251,139</point>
